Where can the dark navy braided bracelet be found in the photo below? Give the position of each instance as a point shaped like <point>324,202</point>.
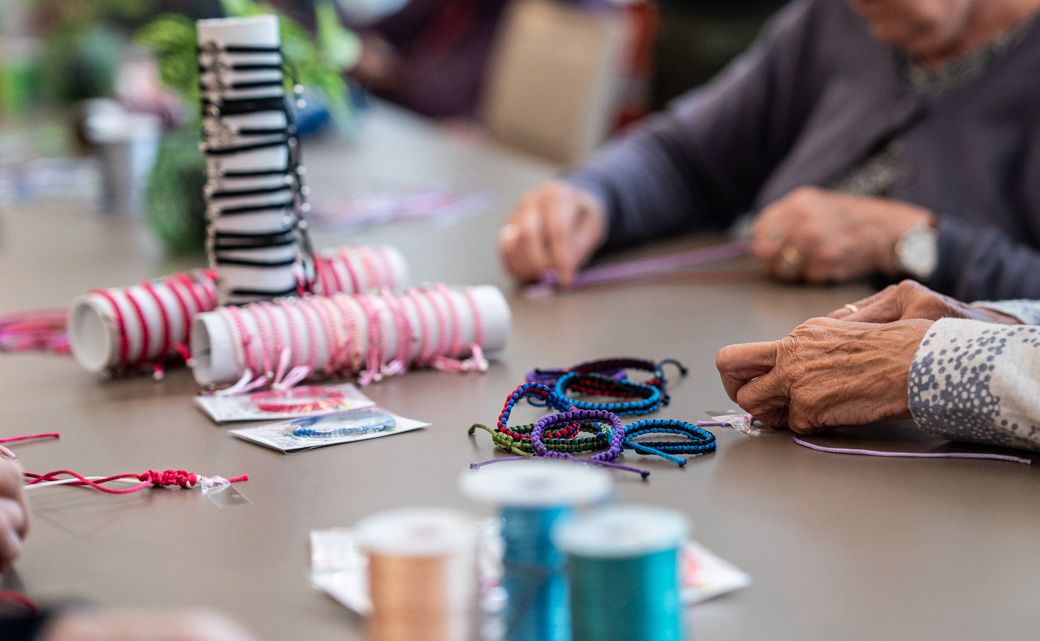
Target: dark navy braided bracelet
<point>614,367</point>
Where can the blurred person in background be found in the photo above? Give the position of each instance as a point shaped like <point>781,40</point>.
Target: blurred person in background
<point>871,137</point>
<point>431,56</point>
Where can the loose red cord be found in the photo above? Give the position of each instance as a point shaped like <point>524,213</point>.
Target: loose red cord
<point>20,599</point>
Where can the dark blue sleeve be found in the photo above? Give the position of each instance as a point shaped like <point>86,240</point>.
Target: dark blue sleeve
<point>978,262</point>
<point>701,163</point>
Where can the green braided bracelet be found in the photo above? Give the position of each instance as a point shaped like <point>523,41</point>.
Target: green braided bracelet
<point>599,440</point>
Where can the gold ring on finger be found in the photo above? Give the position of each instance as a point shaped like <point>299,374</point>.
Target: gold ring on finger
<point>791,261</point>
<point>509,233</point>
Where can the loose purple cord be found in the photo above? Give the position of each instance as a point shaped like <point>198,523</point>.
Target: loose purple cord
<point>965,455</point>
<point>642,267</point>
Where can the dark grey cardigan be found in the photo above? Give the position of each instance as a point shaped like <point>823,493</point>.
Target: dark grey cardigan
<point>809,102</point>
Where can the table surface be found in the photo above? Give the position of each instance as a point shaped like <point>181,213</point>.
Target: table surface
<point>838,547</point>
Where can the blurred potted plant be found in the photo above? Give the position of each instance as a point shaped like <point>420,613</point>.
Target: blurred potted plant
<point>83,50</point>
<point>173,201</point>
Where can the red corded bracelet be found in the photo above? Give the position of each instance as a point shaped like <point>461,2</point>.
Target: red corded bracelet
<point>549,398</point>
<point>298,400</point>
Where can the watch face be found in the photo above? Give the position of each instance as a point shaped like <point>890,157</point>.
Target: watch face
<point>918,252</point>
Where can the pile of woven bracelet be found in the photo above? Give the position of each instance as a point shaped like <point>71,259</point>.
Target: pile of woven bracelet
<point>584,427</point>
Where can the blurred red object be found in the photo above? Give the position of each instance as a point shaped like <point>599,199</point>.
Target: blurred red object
<point>641,21</point>
<point>41,330</point>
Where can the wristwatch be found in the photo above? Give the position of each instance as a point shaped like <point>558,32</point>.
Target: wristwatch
<point>917,252</point>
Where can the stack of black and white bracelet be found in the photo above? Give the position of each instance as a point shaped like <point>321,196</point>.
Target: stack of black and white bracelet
<point>255,195</point>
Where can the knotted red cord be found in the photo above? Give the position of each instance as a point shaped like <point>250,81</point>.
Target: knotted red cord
<point>150,478</point>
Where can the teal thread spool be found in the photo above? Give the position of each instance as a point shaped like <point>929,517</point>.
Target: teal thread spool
<point>534,497</point>
<point>623,571</point>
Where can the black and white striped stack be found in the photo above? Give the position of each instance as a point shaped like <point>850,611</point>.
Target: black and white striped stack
<point>255,195</point>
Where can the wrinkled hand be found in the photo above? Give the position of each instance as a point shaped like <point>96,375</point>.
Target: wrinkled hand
<point>14,519</point>
<point>554,228</point>
<point>141,625</point>
<point>910,299</point>
<point>827,373</point>
<point>824,236</point>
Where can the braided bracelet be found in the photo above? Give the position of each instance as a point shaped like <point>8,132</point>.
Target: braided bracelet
<point>551,398</point>
<point>599,439</point>
<point>298,400</point>
<point>367,423</point>
<point>614,367</point>
<point>650,396</point>
<point>697,440</point>
<point>605,458</point>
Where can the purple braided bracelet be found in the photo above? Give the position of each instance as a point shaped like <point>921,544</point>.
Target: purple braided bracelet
<point>605,458</point>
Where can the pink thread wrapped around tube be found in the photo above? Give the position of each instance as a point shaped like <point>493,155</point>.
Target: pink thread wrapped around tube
<point>149,324</point>
<point>373,335</point>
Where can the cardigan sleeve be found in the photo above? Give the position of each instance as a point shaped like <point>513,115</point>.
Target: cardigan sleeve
<point>978,382</point>
<point>1026,312</point>
<point>699,164</point>
<point>982,261</point>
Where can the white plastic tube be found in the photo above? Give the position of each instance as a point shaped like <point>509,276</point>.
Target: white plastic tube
<point>218,350</point>
<point>94,329</point>
<point>246,275</point>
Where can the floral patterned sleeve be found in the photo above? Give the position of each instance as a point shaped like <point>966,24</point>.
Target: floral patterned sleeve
<point>979,382</point>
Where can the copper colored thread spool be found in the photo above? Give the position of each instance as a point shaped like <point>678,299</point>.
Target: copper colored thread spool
<point>422,569</point>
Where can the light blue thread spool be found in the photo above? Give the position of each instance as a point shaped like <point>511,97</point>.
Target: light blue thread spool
<point>534,497</point>
<point>623,571</point>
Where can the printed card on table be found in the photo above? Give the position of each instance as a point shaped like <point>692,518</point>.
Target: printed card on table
<point>303,401</point>
<point>338,567</point>
<point>328,429</point>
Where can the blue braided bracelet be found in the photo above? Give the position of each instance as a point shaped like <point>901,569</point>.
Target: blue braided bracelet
<point>696,441</point>
<point>650,396</point>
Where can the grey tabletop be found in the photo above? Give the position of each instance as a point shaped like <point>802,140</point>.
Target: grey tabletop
<point>838,547</point>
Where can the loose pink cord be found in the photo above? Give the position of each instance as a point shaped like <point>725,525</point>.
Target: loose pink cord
<point>30,437</point>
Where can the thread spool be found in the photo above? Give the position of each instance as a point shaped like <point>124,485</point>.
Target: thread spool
<point>534,498</point>
<point>623,569</point>
<point>217,347</point>
<point>422,575</point>
<point>97,340</point>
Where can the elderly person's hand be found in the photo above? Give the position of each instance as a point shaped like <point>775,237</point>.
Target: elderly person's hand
<point>824,236</point>
<point>554,228</point>
<point>14,519</point>
<point>910,299</point>
<point>143,625</point>
<point>827,373</point>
